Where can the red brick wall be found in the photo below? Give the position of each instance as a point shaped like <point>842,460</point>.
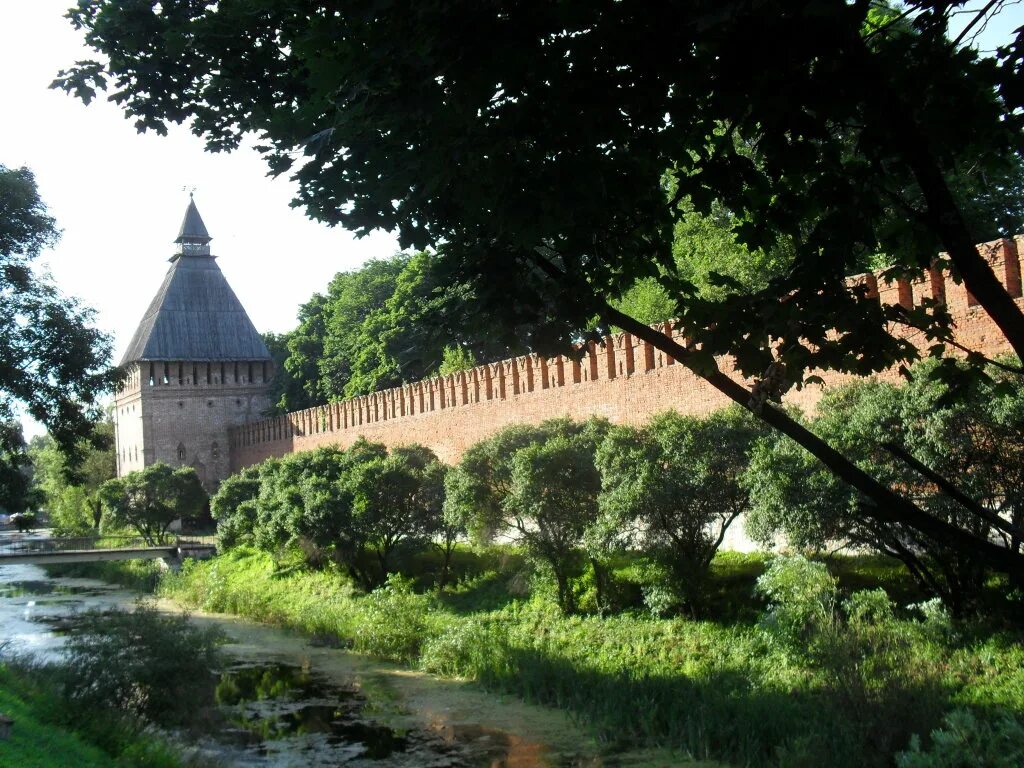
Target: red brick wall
<point>624,380</point>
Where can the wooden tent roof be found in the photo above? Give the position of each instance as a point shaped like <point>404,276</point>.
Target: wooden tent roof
<point>195,315</point>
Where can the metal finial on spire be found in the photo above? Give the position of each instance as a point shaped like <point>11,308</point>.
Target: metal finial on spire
<point>193,239</point>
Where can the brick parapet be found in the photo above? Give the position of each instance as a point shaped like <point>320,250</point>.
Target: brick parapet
<point>623,378</point>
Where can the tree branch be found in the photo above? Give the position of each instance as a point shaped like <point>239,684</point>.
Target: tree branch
<point>947,487</point>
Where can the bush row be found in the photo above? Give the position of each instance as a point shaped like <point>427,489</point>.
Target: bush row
<point>574,494</point>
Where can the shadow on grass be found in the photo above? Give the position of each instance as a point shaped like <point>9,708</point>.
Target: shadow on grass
<point>487,592</point>
<point>721,716</point>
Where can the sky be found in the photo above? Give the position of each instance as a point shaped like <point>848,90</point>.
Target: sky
<point>119,196</point>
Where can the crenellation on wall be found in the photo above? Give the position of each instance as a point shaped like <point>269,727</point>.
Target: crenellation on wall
<point>622,378</point>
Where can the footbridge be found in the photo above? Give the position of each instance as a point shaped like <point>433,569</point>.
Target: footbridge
<point>91,549</point>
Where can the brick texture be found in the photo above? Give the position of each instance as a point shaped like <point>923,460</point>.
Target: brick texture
<point>180,413</point>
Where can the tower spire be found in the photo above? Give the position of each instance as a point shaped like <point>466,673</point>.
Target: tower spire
<point>192,239</point>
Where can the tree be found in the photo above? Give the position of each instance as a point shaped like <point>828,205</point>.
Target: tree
<point>53,363</point>
<point>71,494</point>
<point>151,499</point>
<point>673,489</point>
<point>388,322</point>
<point>537,485</point>
<point>895,432</point>
<point>233,506</point>
<point>398,499</point>
<point>543,170</point>
<point>16,470</point>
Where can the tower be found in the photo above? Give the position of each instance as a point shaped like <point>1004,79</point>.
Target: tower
<point>195,367</point>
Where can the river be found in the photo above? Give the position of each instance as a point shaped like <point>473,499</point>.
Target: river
<point>287,703</point>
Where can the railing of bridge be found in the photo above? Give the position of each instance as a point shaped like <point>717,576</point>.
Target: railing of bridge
<point>23,546</point>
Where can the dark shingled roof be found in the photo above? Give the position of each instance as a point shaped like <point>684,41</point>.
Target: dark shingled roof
<point>195,315</point>
<point>192,227</point>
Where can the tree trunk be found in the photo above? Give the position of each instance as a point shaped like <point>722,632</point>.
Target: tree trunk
<point>446,566</point>
<point>565,599</point>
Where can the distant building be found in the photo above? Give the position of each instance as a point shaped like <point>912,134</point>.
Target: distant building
<point>195,367</point>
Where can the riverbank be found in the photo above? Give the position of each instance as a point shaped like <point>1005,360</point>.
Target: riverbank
<point>50,732</point>
<point>722,689</point>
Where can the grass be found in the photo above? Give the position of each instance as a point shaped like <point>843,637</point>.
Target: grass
<point>51,732</point>
<point>721,688</point>
<point>36,744</point>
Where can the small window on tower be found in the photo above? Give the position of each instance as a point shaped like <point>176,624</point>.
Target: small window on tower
<point>181,451</point>
<point>152,375</point>
<point>215,450</point>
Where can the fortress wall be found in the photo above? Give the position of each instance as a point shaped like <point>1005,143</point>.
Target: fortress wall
<point>623,379</point>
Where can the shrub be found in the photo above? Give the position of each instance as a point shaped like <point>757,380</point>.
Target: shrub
<point>392,621</point>
<point>673,489</point>
<point>801,597</point>
<point>968,741</point>
<point>141,662</point>
<point>539,486</point>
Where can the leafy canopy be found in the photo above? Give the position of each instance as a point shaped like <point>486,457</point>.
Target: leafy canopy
<point>53,363</point>
<point>150,499</point>
<point>388,322</point>
<point>551,158</point>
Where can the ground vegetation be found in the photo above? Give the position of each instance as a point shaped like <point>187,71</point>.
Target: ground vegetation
<point>127,671</point>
